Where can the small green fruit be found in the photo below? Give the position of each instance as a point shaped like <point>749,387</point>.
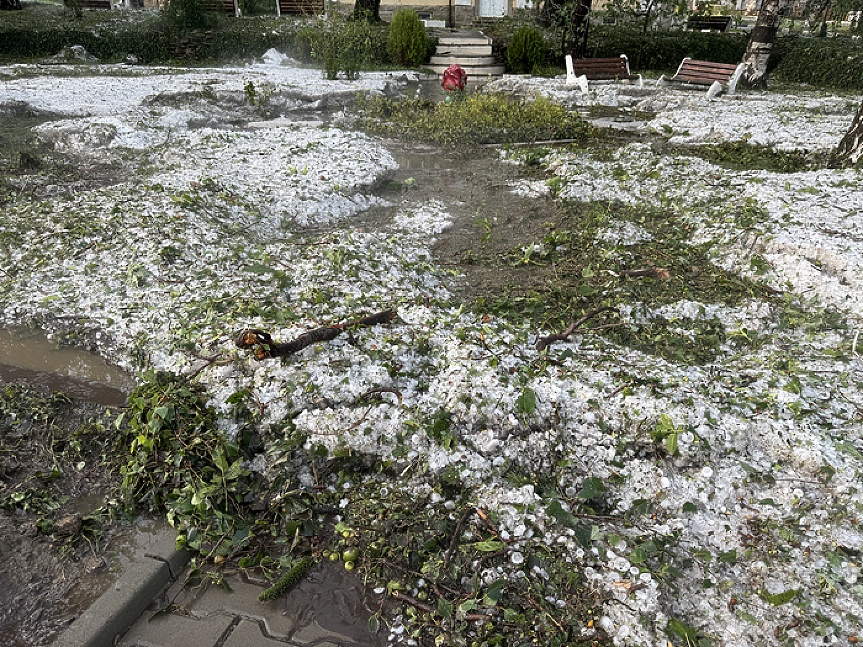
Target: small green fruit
<point>350,554</point>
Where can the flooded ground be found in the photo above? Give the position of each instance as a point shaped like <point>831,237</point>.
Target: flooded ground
<point>30,357</point>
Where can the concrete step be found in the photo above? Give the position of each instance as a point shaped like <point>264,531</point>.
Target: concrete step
<point>472,72</point>
<point>463,50</point>
<point>464,61</point>
<point>463,40</point>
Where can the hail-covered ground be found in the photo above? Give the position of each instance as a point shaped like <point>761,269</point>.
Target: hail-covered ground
<point>730,491</point>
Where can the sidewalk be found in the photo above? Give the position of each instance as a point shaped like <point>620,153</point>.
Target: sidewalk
<point>328,608</point>
<point>207,615</point>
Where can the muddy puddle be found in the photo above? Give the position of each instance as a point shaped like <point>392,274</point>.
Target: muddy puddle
<point>44,592</point>
<point>337,601</point>
<point>127,545</point>
<point>30,357</point>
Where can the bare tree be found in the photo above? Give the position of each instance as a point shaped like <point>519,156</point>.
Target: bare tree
<point>761,42</point>
<point>849,152</point>
<point>571,18</point>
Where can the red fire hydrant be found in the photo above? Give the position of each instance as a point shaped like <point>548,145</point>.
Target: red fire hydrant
<point>454,78</point>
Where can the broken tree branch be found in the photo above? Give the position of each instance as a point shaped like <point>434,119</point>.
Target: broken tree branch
<point>266,348</point>
<point>544,342</point>
<point>649,272</point>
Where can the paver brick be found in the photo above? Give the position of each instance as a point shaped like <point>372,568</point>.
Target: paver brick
<point>171,630</point>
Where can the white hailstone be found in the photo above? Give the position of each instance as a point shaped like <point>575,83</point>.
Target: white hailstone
<point>519,530</point>
<point>707,472</point>
<point>435,497</point>
<point>590,417</point>
<point>449,505</point>
<point>504,535</point>
<point>606,623</point>
<point>516,558</point>
<point>621,564</point>
<point>664,482</point>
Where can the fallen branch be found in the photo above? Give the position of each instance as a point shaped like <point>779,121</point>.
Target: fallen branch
<point>266,348</point>
<point>649,272</point>
<point>469,510</point>
<point>544,342</point>
<point>381,389</point>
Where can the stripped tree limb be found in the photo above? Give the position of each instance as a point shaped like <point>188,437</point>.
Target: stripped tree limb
<point>266,348</point>
<point>544,342</point>
<point>650,272</point>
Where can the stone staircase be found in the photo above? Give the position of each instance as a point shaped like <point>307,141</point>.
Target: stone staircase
<point>470,49</point>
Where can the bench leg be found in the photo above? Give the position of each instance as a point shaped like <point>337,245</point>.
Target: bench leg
<point>715,89</point>
<point>570,72</point>
<point>582,83</point>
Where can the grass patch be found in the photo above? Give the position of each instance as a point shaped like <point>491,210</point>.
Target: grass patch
<point>575,266</point>
<point>743,156</point>
<point>477,119</point>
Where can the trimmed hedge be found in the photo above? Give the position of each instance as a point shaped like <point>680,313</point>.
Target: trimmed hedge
<point>153,40</point>
<point>662,51</point>
<point>835,63</point>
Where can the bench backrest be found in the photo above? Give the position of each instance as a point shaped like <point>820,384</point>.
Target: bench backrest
<point>313,7</point>
<point>704,72</point>
<point>224,6</point>
<point>92,4</point>
<point>715,23</point>
<point>600,69</point>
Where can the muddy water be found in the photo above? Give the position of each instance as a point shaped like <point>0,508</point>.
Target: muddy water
<point>337,601</point>
<point>28,356</point>
<point>126,546</point>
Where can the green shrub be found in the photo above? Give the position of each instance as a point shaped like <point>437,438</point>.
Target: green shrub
<point>186,15</point>
<point>835,63</point>
<point>407,42</point>
<point>343,46</point>
<point>526,51</point>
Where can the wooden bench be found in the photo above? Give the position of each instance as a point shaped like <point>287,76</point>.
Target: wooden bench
<point>223,6</point>
<point>90,4</point>
<point>715,76</point>
<point>709,23</point>
<point>299,7</point>
<point>582,70</point>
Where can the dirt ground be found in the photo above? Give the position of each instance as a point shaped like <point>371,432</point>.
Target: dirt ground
<point>52,476</point>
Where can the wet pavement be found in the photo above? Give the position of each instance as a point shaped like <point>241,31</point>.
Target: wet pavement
<point>328,608</point>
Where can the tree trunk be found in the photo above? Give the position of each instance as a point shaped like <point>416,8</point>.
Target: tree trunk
<point>761,43</point>
<point>367,10</point>
<point>849,152</point>
<point>570,16</point>
<point>574,41</point>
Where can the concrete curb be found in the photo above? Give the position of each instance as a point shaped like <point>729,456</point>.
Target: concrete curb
<point>120,606</point>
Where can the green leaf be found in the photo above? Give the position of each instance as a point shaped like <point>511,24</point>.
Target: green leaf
<point>779,598</point>
<point>591,487</point>
<point>671,443</point>
<point>489,546</point>
<point>684,631</point>
<point>690,507</point>
<point>444,608</point>
<point>729,557</point>
<point>556,510</point>
<point>494,593</point>
<point>526,402</point>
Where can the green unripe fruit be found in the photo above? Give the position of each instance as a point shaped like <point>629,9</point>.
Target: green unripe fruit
<point>350,554</point>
